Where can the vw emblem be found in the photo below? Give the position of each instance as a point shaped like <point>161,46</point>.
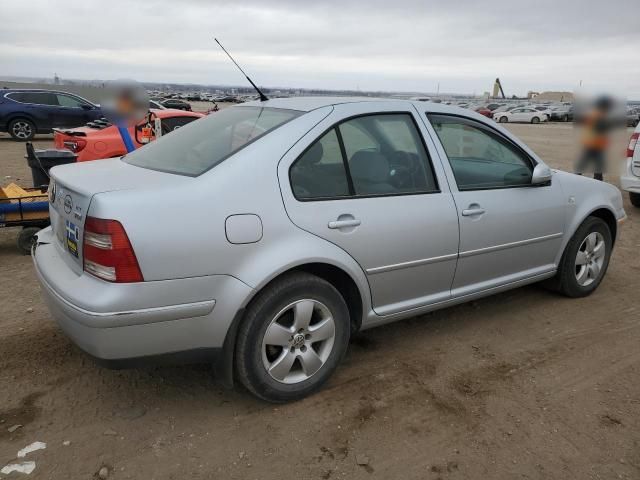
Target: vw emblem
<point>298,340</point>
<point>68,204</point>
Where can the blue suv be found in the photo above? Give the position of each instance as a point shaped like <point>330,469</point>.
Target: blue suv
<point>23,113</point>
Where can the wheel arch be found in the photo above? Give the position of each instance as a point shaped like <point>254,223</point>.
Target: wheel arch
<point>608,217</point>
<point>20,116</point>
<point>334,274</point>
<point>602,212</point>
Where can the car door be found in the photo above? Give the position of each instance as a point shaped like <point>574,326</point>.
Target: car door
<point>510,230</point>
<point>72,111</point>
<point>517,115</point>
<point>365,182</point>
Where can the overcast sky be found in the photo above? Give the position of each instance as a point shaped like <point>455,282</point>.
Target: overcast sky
<point>398,45</point>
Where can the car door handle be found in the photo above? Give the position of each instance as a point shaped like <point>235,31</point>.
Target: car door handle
<point>470,212</point>
<point>344,223</point>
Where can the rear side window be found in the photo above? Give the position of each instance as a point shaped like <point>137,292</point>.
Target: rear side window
<point>195,148</point>
<point>369,155</point>
<point>479,157</point>
<point>320,172</point>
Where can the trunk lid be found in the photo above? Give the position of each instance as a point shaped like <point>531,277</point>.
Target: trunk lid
<point>73,186</point>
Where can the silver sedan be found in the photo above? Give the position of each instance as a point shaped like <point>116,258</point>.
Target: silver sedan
<point>262,237</point>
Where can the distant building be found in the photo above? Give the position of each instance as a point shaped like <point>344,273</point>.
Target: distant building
<point>531,94</point>
<point>555,97</point>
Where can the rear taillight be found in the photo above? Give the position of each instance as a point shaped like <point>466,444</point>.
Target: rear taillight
<point>632,144</point>
<point>108,253</point>
<point>75,145</point>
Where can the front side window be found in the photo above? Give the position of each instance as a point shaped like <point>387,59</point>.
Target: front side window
<point>199,146</point>
<point>67,101</point>
<point>370,155</point>
<point>480,158</point>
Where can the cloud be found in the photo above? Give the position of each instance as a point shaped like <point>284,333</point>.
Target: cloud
<point>370,44</point>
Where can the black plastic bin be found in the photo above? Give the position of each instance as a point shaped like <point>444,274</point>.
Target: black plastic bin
<point>41,161</point>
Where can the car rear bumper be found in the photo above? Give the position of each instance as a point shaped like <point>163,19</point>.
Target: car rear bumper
<point>123,324</point>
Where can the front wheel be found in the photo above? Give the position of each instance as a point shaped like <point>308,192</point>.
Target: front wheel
<point>292,338</point>
<point>585,259</point>
<point>503,120</point>
<point>635,199</point>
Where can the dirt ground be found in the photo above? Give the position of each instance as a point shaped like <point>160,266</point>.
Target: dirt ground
<point>525,384</point>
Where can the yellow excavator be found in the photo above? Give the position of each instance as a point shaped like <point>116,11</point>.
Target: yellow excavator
<point>497,86</point>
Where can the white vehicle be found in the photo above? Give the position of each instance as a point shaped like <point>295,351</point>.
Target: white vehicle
<point>630,177</point>
<point>522,115</point>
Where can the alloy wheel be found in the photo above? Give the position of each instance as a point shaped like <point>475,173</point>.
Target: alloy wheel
<point>590,259</point>
<point>298,341</point>
<point>21,130</point>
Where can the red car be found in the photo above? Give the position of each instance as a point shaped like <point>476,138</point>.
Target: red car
<point>100,139</point>
<point>484,111</point>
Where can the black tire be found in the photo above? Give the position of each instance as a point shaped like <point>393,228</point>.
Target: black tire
<point>565,118</point>
<point>635,199</point>
<point>22,129</point>
<point>26,237</point>
<point>535,120</point>
<point>250,368</point>
<point>503,120</point>
<point>565,281</point>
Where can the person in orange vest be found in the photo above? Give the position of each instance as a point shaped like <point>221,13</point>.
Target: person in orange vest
<point>597,125</point>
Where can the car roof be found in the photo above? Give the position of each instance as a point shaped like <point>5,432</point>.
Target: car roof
<point>306,104</point>
<point>38,90</point>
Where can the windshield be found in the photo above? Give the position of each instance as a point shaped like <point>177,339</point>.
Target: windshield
<point>201,145</point>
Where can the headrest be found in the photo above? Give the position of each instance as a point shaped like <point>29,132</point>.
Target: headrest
<point>313,155</point>
<point>369,166</point>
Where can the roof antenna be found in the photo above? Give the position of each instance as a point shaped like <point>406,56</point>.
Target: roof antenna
<point>263,97</point>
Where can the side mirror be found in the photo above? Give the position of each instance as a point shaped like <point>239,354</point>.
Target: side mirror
<point>541,175</point>
<point>84,106</point>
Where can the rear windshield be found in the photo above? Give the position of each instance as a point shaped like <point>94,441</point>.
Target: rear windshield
<point>201,145</point>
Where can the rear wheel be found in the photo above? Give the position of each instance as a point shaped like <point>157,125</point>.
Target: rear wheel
<point>585,259</point>
<point>292,338</point>
<point>22,129</point>
<point>535,120</point>
<point>635,199</point>
<point>565,118</point>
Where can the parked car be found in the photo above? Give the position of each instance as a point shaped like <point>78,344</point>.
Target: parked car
<point>176,104</point>
<point>100,139</point>
<point>484,111</point>
<point>632,117</point>
<point>562,113</point>
<point>25,112</point>
<point>546,109</point>
<point>508,108</point>
<point>263,237</point>
<point>156,104</point>
<point>522,115</point>
<point>630,176</point>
